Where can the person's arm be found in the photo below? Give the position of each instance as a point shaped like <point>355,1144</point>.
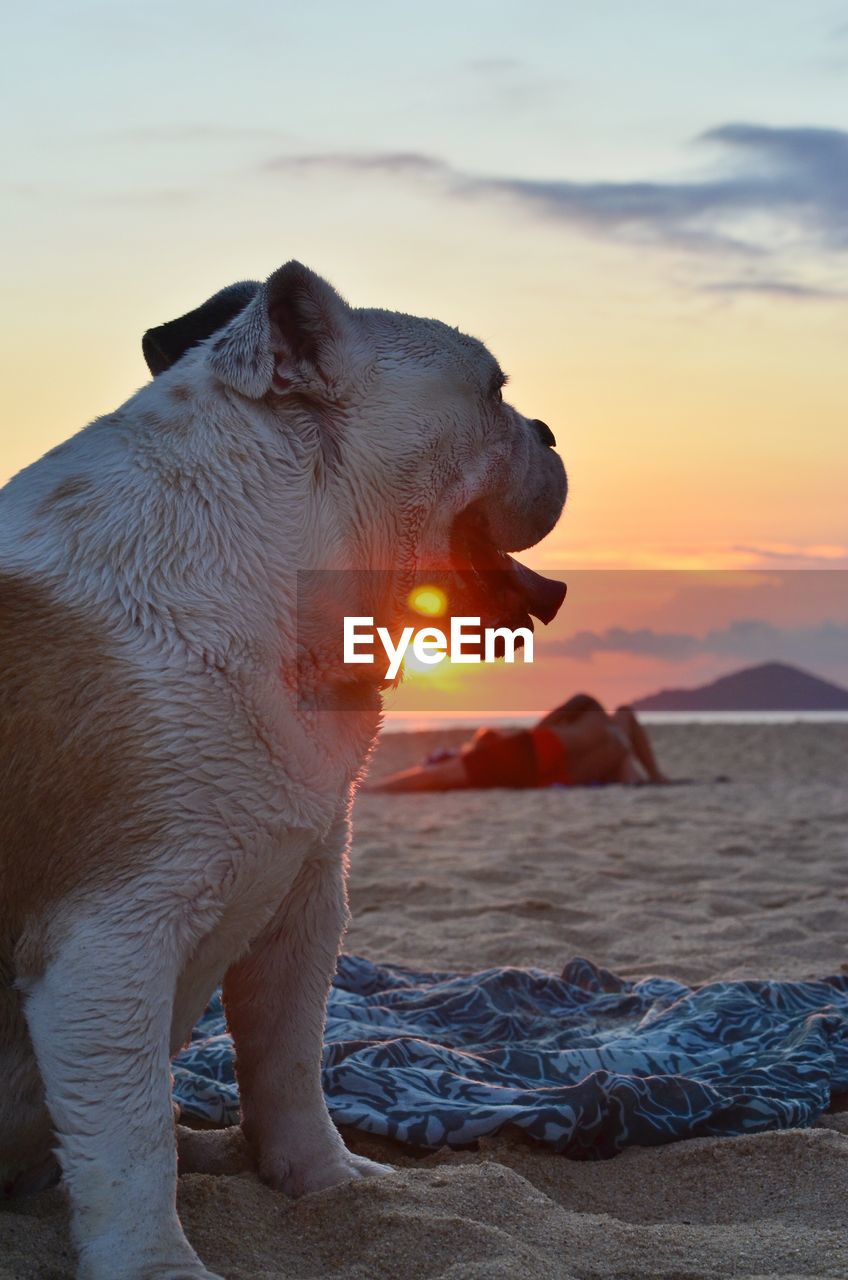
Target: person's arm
<point>447,775</point>
<point>640,743</point>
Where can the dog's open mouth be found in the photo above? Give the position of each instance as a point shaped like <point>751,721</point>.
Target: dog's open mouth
<point>503,592</point>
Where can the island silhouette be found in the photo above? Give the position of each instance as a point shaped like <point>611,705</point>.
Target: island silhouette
<point>770,686</point>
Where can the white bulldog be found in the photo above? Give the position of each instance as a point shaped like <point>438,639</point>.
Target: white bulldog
<point>180,740</point>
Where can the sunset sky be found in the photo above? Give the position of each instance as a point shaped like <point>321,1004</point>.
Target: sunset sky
<point>640,208</point>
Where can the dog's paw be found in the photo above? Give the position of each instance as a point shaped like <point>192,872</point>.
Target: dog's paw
<point>362,1167</point>
<point>123,1263</point>
<point>180,1273</point>
<point>155,1271</point>
<point>343,1167</point>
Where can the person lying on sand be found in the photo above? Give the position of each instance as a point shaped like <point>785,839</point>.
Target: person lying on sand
<point>577,744</point>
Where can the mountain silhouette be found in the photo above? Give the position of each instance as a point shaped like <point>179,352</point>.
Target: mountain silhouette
<point>772,686</point>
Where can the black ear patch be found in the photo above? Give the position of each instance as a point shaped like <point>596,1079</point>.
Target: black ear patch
<point>164,345</point>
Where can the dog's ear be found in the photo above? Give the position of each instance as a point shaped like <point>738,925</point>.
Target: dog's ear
<point>295,335</point>
<point>164,345</point>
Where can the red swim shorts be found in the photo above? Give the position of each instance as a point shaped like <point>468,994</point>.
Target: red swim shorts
<point>528,758</point>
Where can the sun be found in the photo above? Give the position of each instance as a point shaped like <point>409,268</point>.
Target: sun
<point>429,601</point>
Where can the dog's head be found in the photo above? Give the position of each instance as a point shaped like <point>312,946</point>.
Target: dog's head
<point>422,463</point>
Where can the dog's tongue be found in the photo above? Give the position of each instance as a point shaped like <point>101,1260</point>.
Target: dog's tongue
<point>541,597</point>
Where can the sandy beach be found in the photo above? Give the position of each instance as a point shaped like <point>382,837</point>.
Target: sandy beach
<point>737,879</point>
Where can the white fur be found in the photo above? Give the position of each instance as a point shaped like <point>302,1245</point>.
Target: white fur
<point>202,512</point>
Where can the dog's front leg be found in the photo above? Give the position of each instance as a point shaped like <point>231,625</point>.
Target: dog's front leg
<point>99,1019</point>
<point>275,1000</point>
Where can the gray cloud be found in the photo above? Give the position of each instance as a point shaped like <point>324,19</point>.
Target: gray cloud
<point>191,133</point>
<point>774,191</point>
<point>393,163</point>
<point>775,288</point>
<point>154,196</point>
<point>796,558</point>
<point>495,66</point>
<point>826,643</point>
<point>513,84</point>
<point>583,645</point>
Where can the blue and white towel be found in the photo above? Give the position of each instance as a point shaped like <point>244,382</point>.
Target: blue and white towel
<point>586,1063</point>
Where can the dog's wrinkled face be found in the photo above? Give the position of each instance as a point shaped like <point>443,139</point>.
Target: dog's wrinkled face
<point>425,467</point>
<point>491,478</point>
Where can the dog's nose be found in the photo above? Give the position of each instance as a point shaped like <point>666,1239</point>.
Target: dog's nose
<point>544,432</point>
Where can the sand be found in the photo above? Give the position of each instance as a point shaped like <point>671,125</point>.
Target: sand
<point>710,880</point>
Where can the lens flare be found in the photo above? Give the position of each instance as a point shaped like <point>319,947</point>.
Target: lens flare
<point>431,602</point>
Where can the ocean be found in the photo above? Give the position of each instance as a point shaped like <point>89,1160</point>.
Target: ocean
<point>399,723</point>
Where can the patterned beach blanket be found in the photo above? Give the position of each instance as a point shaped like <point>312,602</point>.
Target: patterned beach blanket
<point>587,1062</point>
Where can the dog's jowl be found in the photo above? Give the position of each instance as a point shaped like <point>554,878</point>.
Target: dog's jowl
<point>176,786</point>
